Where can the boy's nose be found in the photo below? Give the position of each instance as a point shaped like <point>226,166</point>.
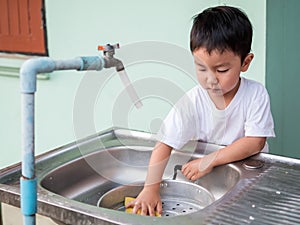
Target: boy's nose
<point>211,79</point>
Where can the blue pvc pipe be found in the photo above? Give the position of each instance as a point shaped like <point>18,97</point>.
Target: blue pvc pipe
<point>28,196</point>
<point>29,220</point>
<point>28,72</point>
<point>28,181</point>
<point>27,109</point>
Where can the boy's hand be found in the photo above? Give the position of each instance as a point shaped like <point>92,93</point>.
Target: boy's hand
<point>199,167</point>
<point>148,201</point>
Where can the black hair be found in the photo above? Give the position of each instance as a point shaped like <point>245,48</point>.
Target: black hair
<point>222,28</point>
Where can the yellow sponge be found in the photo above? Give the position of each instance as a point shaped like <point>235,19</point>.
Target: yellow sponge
<point>129,210</point>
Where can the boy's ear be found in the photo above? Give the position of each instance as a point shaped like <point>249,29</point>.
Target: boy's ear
<point>247,62</point>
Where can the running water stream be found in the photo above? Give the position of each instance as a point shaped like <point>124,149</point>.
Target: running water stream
<point>129,89</point>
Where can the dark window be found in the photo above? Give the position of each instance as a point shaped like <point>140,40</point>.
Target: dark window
<point>22,27</point>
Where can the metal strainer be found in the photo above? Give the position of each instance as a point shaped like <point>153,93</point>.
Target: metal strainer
<point>178,197</point>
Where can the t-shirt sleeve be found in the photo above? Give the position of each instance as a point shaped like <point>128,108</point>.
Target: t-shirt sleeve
<point>179,125</point>
<point>259,121</point>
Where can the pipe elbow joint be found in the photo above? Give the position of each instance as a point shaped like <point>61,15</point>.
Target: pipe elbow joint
<point>30,69</point>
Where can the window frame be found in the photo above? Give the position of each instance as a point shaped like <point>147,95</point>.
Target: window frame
<point>34,41</point>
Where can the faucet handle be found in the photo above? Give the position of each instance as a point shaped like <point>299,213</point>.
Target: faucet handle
<point>108,47</point>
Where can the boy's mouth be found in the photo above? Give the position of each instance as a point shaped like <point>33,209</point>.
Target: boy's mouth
<point>214,89</point>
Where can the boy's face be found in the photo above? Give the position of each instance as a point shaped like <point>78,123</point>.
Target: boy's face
<point>219,73</point>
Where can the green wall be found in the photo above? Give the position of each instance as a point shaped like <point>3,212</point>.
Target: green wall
<point>283,74</point>
<point>161,70</point>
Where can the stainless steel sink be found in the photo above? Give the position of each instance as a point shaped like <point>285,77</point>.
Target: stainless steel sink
<point>72,179</point>
<point>86,179</point>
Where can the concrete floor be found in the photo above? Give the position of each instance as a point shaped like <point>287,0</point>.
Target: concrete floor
<point>13,216</point>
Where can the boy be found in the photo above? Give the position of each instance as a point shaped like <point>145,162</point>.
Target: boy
<point>224,109</point>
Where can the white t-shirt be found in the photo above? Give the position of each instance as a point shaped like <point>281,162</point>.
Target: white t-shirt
<point>195,117</point>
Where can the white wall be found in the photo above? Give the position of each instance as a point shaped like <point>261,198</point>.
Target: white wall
<point>154,39</point>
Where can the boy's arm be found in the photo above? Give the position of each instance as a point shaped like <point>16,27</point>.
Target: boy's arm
<point>238,150</point>
<point>149,199</point>
<point>157,164</point>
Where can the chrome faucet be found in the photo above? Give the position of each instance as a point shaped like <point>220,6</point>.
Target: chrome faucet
<point>108,55</point>
<point>111,61</point>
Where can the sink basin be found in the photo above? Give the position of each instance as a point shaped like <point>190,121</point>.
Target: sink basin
<point>86,179</point>
<point>73,178</point>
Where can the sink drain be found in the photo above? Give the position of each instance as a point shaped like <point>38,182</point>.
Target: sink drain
<point>173,208</point>
<point>178,197</point>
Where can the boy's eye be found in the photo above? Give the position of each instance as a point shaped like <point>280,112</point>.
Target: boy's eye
<point>222,71</point>
<point>202,69</point>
